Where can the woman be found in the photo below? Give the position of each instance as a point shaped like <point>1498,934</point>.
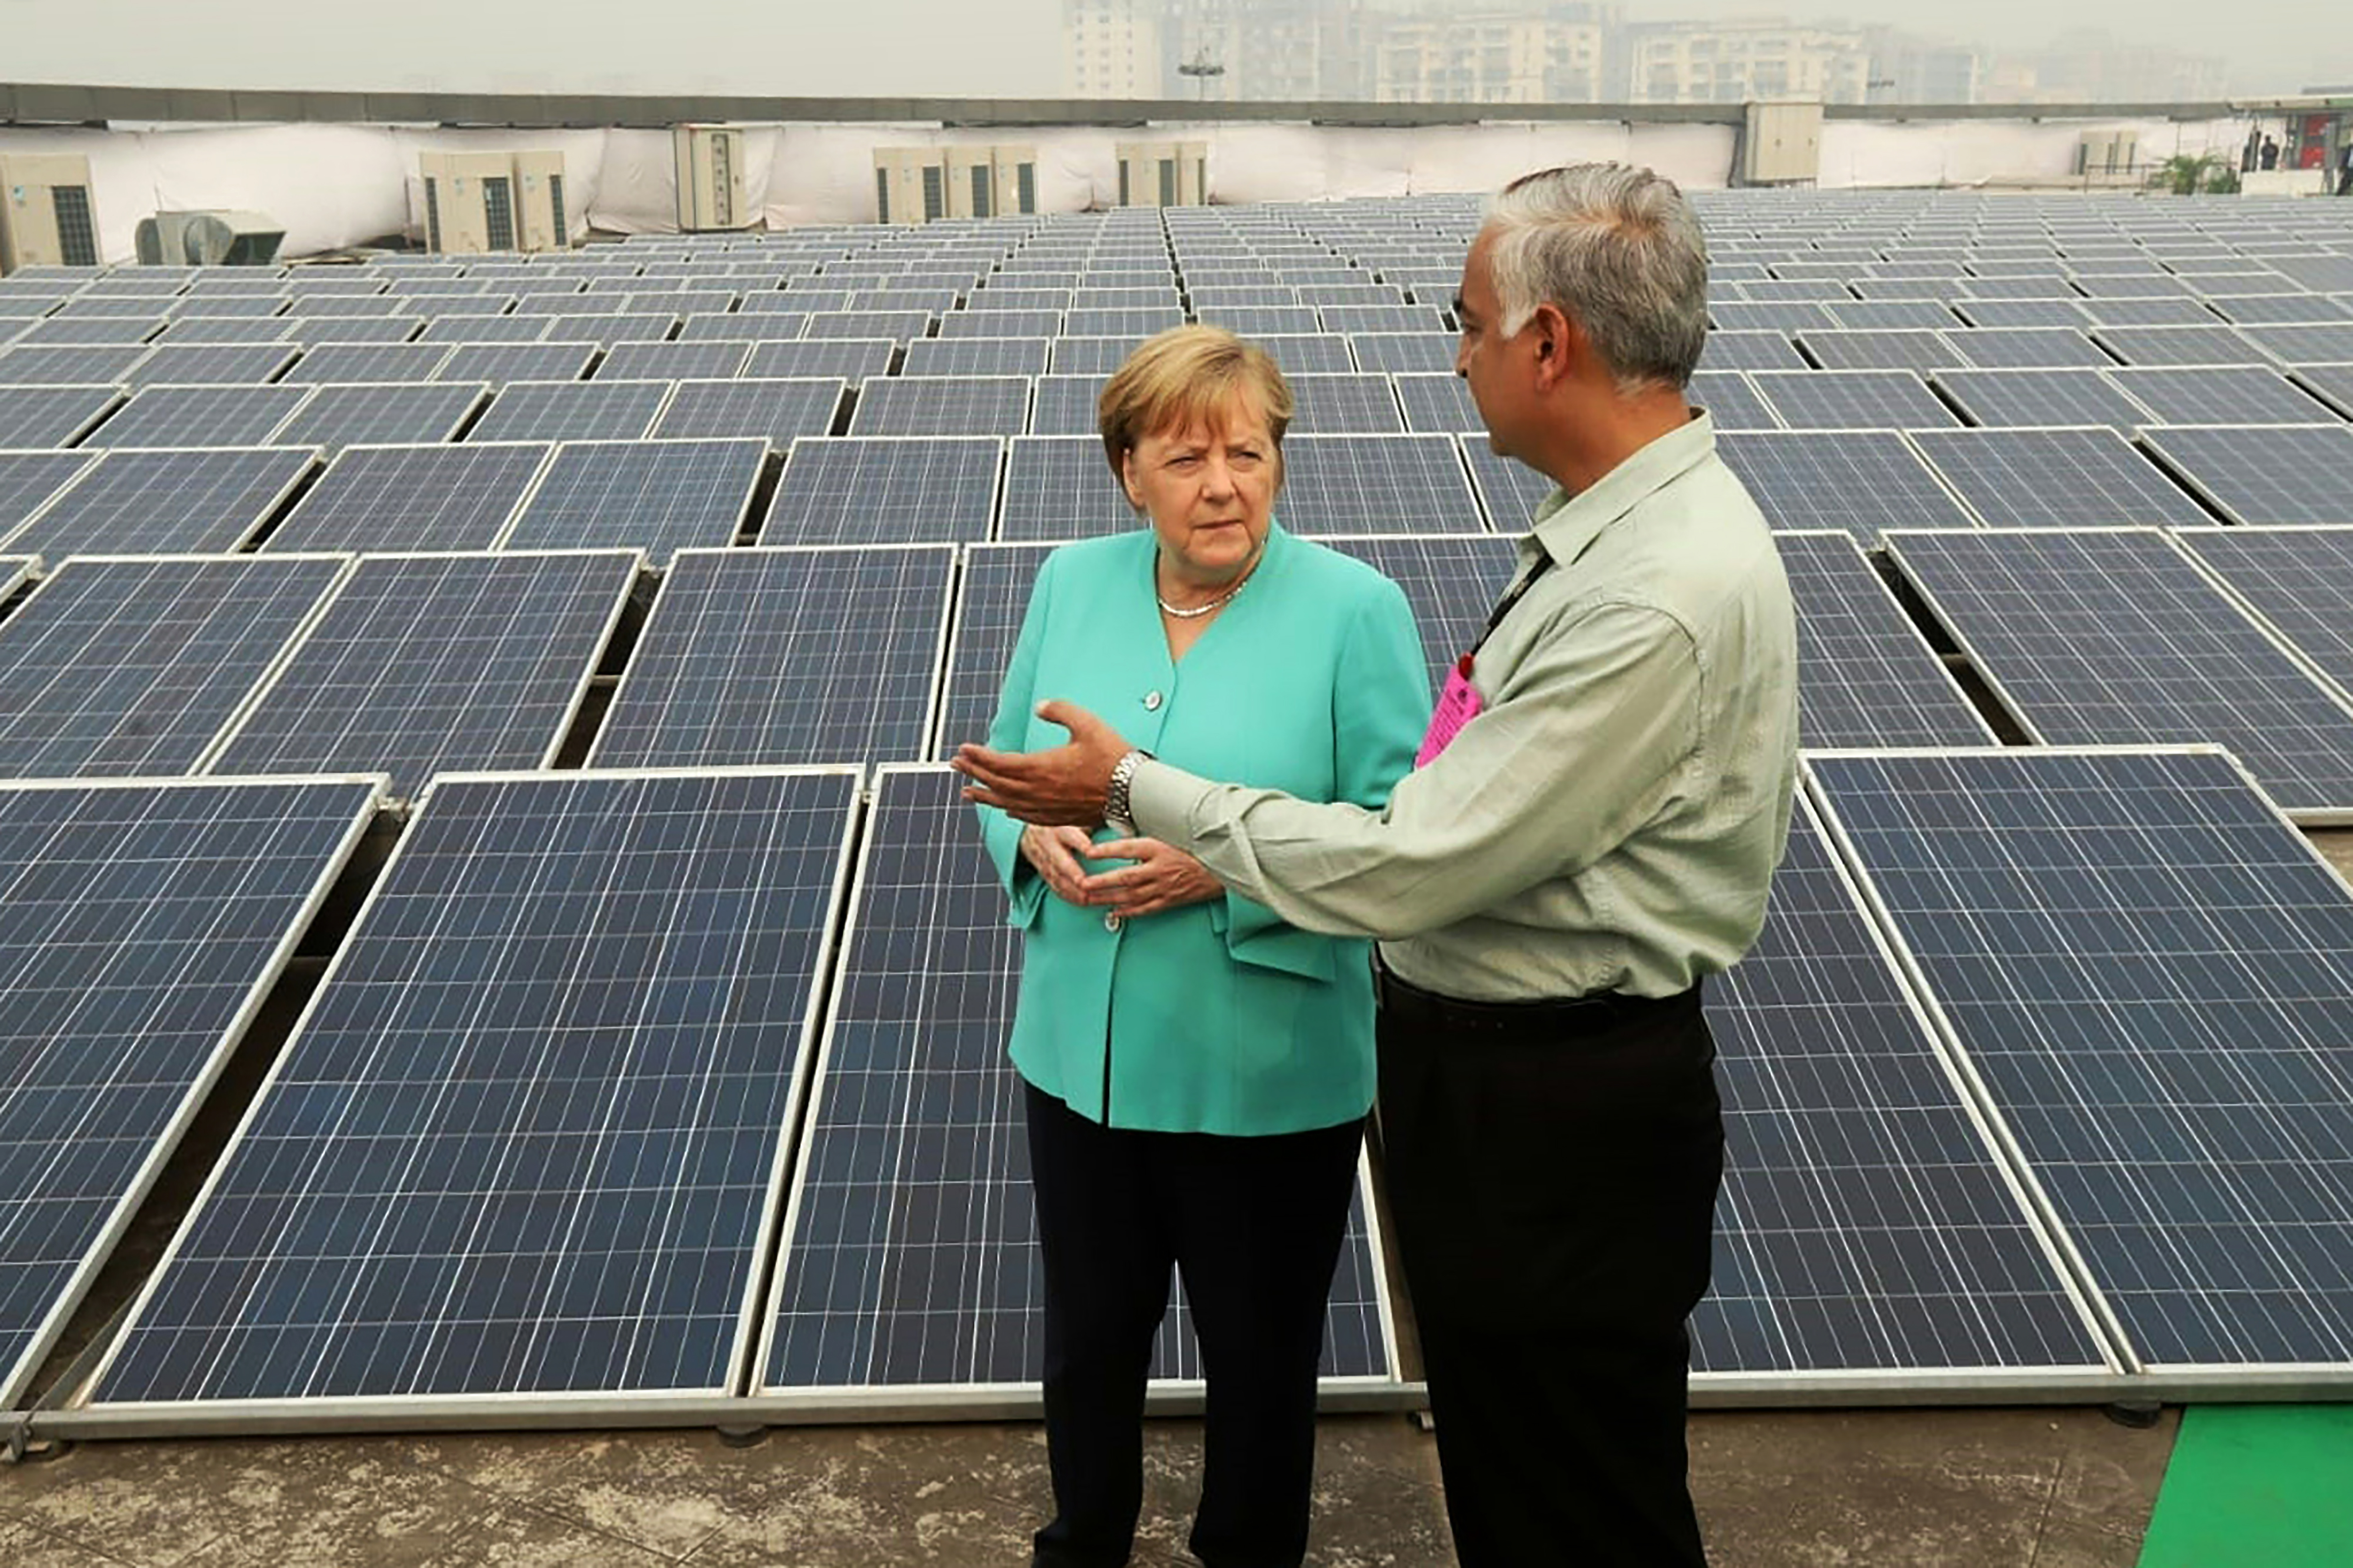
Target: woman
<point>1198,1072</point>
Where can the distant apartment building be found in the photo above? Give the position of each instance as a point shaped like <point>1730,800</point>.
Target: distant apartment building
<point>2098,68</point>
<point>1112,48</point>
<point>1492,57</point>
<point>1908,70</point>
<point>1733,62</point>
<point>1265,51</point>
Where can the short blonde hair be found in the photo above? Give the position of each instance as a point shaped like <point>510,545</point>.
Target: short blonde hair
<point>1183,379</point>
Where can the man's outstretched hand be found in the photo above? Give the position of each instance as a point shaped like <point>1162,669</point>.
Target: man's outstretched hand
<point>1065,785</point>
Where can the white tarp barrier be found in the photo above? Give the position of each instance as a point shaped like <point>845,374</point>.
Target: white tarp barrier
<point>337,185</point>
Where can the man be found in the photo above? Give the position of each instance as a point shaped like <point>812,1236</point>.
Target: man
<point>1603,801</point>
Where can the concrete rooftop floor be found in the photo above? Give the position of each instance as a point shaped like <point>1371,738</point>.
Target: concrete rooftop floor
<point>2034,1488</point>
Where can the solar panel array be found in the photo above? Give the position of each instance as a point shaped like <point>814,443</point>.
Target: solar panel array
<point>1910,1193</point>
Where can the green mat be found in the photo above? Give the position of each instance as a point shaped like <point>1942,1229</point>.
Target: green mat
<point>2268,1484</point>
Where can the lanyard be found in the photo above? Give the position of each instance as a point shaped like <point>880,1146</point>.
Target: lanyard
<point>1503,608</point>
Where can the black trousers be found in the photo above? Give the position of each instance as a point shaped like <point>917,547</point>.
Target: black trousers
<point>1254,1227</point>
<point>1553,1178</point>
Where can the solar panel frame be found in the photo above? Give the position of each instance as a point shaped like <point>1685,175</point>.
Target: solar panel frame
<point>195,1082</point>
<point>269,475</point>
<point>2106,1081</point>
<point>2209,692</point>
<point>558,1407</point>
<point>806,664</point>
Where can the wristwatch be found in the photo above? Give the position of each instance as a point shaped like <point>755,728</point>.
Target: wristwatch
<point>1116,809</point>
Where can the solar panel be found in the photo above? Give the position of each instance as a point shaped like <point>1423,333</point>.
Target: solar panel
<point>424,664</point>
<point>65,365</point>
<point>1307,354</point>
<point>1890,315</point>
<point>975,356</point>
<point>1851,399</point>
<point>2300,580</point>
<point>2282,310</point>
<point>2219,395</point>
<point>1509,490</point>
<point>2025,348</point>
<point>942,406</point>
<point>2211,344</point>
<point>1865,675</point>
<point>1858,481</point>
<point>2116,638</point>
<point>910,1259</point>
<point>1750,351</point>
<point>413,498</point>
<point>142,926</point>
<point>2008,398</point>
<point>2145,313</point>
<point>1865,1224</point>
<point>571,410</point>
<point>210,365</point>
<point>775,326</point>
<point>1452,580</point>
<point>336,416</point>
<point>199,416</point>
<point>2020,312</point>
<point>2263,473</point>
<point>1356,404</point>
<point>28,480</point>
<point>899,326</point>
<point>1437,403</point>
<point>992,596</point>
<point>885,489</point>
<point>501,363</point>
<point>1060,487</point>
<point>1002,324</point>
<point>528,1137</point>
<point>1732,402</point>
<point>371,363</point>
<point>777,411</point>
<point>744,661</point>
<point>1096,357</point>
<point>2156,1018</point>
<point>846,359</point>
<point>132,666</point>
<point>2086,476</point>
<point>2311,343</point>
<point>33,416</point>
<point>1780,316</point>
<point>1907,349</point>
<point>1375,484</point>
<point>1388,353</point>
<point>480,329</point>
<point>1256,320</point>
<point>659,497</point>
<point>65,331</point>
<point>672,362</point>
<point>162,502</point>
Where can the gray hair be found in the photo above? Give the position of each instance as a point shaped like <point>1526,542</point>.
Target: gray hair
<point>1615,247</point>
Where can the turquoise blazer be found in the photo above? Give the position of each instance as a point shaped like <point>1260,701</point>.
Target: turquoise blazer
<point>1217,1017</point>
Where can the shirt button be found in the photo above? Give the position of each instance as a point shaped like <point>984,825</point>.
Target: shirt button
<point>1110,921</point>
<point>1152,703</point>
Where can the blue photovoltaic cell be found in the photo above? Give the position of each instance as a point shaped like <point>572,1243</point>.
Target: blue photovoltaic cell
<point>162,502</point>
<point>885,489</point>
<point>655,496</point>
<point>139,926</point>
<point>1851,399</point>
<point>528,1136</point>
<point>424,664</point>
<point>1358,403</point>
<point>413,498</point>
<point>2253,474</point>
<point>744,659</point>
<point>911,1252</point>
<point>1375,484</point>
<point>991,599</point>
<point>2040,397</point>
<point>2300,580</point>
<point>1060,487</point>
<point>1865,1223</point>
<point>33,416</point>
<point>28,479</point>
<point>1859,480</point>
<point>2157,1014</point>
<point>570,411</point>
<point>337,416</point>
<point>2089,478</point>
<point>501,363</point>
<point>778,412</point>
<point>1865,675</point>
<point>1452,580</point>
<point>132,666</point>
<point>942,406</point>
<point>2116,638</point>
<point>189,417</point>
<point>1508,488</point>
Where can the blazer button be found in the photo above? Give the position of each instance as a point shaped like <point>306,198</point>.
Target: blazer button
<point>1111,920</point>
<point>1152,703</point>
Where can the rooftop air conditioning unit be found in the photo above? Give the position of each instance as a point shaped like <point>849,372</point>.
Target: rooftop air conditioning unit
<point>477,202</point>
<point>711,192</point>
<point>1781,143</point>
<point>46,217</point>
<point>1015,171</point>
<point>910,184</point>
<point>2107,152</point>
<point>972,182</point>
<point>209,239</point>
<point>1163,173</point>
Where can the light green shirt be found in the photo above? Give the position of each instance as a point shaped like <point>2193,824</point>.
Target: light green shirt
<point>1611,820</point>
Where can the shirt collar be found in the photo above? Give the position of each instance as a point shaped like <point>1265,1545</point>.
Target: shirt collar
<point>1567,524</point>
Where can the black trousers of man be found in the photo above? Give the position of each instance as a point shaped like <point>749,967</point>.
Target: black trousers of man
<point>1254,1227</point>
<point>1552,1170</point>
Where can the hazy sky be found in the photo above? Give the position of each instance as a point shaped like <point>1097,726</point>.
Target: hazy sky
<point>888,47</point>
